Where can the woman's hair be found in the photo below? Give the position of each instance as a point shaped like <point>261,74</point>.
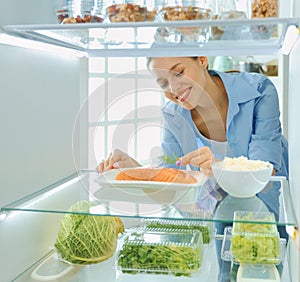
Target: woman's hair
<point>148,61</point>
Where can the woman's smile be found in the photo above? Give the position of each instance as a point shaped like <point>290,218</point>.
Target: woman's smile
<point>184,95</point>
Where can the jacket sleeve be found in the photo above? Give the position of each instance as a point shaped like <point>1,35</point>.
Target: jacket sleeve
<point>266,139</point>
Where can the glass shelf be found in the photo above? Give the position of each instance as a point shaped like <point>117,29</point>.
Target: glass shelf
<point>140,203</point>
<point>255,36</point>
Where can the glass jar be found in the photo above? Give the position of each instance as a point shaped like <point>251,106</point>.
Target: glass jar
<point>232,9</point>
<point>98,13</point>
<point>186,10</point>
<point>264,9</point>
<point>79,11</point>
<point>129,11</point>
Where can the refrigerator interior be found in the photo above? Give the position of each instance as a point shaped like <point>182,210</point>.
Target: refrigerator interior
<point>41,97</point>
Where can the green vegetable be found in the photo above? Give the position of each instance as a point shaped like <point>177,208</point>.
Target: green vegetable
<point>203,228</point>
<point>169,160</point>
<point>255,243</point>
<point>163,251</point>
<point>178,260</point>
<point>255,249</point>
<point>87,239</point>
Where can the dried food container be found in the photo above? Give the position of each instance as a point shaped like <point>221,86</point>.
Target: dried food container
<point>161,251</point>
<point>130,11</point>
<point>230,10</point>
<point>98,13</point>
<point>255,239</point>
<point>62,13</point>
<point>205,227</point>
<point>76,12</point>
<point>188,10</point>
<point>264,9</point>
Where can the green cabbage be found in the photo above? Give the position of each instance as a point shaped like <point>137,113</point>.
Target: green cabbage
<point>87,239</point>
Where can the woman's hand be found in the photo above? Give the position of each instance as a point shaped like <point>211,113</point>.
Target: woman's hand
<point>116,159</point>
<point>201,157</point>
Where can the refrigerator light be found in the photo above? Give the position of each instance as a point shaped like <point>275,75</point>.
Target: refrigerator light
<point>40,46</point>
<point>290,39</point>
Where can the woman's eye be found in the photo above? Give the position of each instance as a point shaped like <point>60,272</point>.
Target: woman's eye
<point>163,84</point>
<point>179,73</point>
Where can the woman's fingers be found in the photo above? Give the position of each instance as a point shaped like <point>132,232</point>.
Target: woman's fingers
<point>105,165</point>
<point>116,159</point>
<point>200,158</point>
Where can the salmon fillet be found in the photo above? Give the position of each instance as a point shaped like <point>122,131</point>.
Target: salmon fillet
<point>156,174</point>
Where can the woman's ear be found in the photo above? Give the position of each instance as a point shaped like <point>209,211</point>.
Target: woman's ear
<point>204,61</point>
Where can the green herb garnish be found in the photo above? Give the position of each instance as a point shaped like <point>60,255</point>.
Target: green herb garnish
<point>168,159</point>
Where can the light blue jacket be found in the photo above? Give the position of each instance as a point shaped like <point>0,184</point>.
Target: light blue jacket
<point>253,127</point>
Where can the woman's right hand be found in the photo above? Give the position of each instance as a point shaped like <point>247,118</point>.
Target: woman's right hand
<point>116,159</point>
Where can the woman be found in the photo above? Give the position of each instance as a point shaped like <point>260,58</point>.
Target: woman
<point>214,114</point>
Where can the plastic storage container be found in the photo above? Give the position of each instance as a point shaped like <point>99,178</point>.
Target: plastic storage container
<point>206,228</point>
<point>164,251</point>
<point>255,242</point>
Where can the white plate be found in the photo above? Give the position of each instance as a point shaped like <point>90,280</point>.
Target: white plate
<point>147,191</point>
<point>108,179</point>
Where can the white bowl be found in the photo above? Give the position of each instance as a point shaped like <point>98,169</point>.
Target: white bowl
<point>242,183</point>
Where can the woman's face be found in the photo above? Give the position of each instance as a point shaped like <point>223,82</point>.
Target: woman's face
<point>183,79</point>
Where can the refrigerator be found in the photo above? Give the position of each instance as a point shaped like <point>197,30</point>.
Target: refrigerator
<point>44,137</point>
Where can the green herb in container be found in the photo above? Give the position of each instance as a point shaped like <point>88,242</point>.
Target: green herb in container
<point>161,251</point>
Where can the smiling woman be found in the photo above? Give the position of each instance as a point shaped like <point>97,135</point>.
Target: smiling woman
<point>212,114</point>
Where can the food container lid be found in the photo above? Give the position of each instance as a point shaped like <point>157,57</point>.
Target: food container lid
<point>245,222</point>
<point>205,227</point>
<point>164,237</point>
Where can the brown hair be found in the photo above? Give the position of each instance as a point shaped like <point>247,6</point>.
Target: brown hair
<point>148,61</point>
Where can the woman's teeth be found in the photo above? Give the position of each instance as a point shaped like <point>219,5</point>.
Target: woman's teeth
<point>182,96</point>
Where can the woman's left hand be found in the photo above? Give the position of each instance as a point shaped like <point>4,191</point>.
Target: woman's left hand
<point>201,157</point>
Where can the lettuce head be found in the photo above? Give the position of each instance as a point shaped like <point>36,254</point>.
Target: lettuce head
<point>87,239</point>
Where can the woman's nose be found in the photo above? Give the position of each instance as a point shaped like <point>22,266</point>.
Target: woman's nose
<point>173,85</point>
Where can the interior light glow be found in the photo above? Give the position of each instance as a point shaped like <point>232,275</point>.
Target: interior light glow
<point>290,39</point>
<point>2,216</point>
<point>30,204</point>
<point>40,46</point>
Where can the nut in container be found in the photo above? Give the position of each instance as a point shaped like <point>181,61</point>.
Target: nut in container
<point>164,251</point>
<point>76,12</point>
<point>98,13</point>
<point>264,9</point>
<point>130,11</point>
<point>188,10</point>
